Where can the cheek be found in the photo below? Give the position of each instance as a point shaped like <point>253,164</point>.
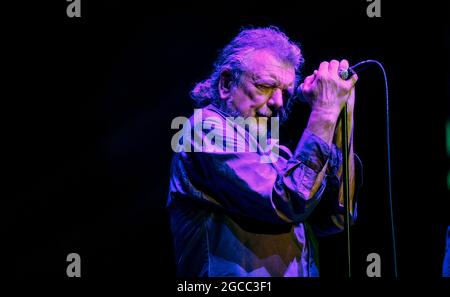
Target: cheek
<point>247,100</point>
<point>243,97</point>
<point>252,96</point>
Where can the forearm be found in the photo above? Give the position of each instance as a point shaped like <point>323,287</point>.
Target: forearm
<point>323,123</point>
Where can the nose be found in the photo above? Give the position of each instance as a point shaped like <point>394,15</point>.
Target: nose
<point>276,100</point>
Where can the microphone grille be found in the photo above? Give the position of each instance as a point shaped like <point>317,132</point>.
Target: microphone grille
<point>344,74</point>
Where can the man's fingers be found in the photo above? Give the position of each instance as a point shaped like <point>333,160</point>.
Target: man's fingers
<point>309,79</point>
<point>303,92</point>
<point>308,82</point>
<point>343,65</point>
<point>323,68</point>
<point>333,67</point>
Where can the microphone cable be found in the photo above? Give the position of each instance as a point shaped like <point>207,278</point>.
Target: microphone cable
<point>346,74</point>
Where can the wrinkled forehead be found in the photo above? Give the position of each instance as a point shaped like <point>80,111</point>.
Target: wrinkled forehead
<point>264,64</point>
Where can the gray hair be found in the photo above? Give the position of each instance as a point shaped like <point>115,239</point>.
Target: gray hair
<point>232,58</point>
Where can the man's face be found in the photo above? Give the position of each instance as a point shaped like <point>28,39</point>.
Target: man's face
<point>264,87</point>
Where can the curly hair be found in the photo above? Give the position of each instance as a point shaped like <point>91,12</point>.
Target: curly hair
<point>232,58</point>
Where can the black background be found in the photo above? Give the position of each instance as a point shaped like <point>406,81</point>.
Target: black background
<point>88,104</point>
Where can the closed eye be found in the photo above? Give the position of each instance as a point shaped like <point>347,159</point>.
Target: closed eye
<point>265,87</point>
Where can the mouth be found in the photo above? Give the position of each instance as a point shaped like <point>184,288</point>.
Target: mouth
<point>264,113</point>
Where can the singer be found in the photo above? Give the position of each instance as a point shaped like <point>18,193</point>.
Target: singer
<point>230,213</point>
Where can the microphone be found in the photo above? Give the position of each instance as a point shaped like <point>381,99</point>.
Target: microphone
<point>345,74</point>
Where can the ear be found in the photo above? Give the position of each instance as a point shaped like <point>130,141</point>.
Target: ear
<point>225,84</point>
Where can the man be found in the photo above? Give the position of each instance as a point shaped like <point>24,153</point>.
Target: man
<point>233,214</point>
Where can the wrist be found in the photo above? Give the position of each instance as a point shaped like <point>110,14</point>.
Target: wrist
<point>326,115</point>
<point>323,123</point>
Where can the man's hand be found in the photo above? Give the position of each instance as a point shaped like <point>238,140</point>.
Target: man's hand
<point>327,94</point>
<point>325,91</point>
